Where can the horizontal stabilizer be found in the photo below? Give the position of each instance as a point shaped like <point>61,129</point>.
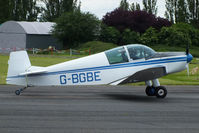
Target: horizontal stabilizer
<point>34,70</point>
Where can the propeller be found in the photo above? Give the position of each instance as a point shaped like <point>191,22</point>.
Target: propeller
<point>189,58</point>
<point>187,66</point>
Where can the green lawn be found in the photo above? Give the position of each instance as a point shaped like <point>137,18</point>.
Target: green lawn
<point>173,79</point>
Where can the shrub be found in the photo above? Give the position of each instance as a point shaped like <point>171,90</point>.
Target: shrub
<point>130,37</point>
<point>109,34</point>
<point>171,36</point>
<point>150,37</point>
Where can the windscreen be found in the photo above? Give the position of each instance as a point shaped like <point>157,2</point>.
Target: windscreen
<point>139,52</point>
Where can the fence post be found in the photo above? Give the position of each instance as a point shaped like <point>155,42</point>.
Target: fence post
<point>33,51</point>
<point>71,52</point>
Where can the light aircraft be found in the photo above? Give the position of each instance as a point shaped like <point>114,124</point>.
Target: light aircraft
<point>125,64</point>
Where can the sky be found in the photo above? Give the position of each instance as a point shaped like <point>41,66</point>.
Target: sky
<point>101,7</point>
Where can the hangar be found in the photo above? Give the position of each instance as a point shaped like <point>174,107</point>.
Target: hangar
<point>24,35</point>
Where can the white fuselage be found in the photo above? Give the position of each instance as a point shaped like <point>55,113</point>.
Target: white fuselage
<point>96,70</point>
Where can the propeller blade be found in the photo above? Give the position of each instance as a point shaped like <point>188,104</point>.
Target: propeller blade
<point>187,66</point>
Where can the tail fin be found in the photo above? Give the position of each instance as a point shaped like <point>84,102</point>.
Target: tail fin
<point>18,63</point>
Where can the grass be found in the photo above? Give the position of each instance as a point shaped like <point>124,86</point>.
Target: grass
<point>180,78</point>
<point>3,68</point>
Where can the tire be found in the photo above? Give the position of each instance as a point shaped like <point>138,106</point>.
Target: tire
<point>150,91</point>
<point>161,92</point>
<point>17,92</point>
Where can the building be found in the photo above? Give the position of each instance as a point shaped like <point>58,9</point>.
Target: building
<point>26,35</point>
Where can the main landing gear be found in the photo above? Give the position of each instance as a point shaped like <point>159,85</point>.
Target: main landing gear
<point>18,92</point>
<point>159,92</point>
<point>155,89</point>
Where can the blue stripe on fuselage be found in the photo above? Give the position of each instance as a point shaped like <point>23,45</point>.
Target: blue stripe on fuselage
<point>114,66</point>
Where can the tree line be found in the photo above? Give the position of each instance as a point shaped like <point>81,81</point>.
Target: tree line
<point>126,24</point>
<point>186,11</point>
<point>31,10</point>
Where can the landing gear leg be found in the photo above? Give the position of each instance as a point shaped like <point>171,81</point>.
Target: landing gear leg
<point>18,92</point>
<point>154,89</point>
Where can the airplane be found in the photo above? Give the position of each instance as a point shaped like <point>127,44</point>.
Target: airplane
<point>125,64</point>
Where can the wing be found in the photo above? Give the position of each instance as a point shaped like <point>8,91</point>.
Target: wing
<point>143,75</point>
<point>146,74</point>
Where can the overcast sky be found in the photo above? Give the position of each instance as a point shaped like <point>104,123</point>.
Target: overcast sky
<point>101,7</point>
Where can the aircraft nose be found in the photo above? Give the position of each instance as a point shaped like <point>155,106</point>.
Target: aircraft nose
<point>189,58</point>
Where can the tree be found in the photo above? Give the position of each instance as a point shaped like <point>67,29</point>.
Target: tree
<point>23,10</point>
<point>150,6</point>
<point>138,21</point>
<point>135,7</point>
<point>161,22</point>
<point>124,5</point>
<point>182,14</point>
<point>193,6</point>
<point>179,11</point>
<point>31,10</point>
<point>4,11</point>
<point>73,28</point>
<point>169,13</point>
<point>55,8</point>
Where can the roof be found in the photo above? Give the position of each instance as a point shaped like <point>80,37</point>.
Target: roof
<point>26,27</point>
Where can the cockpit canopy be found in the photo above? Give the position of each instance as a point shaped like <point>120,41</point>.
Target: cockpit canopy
<point>128,53</point>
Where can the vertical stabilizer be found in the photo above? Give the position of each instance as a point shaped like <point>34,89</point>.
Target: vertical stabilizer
<point>18,63</point>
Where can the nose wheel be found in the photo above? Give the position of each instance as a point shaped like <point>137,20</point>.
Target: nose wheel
<point>159,92</point>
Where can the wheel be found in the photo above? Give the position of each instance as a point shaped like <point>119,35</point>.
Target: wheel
<point>161,92</point>
<point>17,92</point>
<point>150,91</point>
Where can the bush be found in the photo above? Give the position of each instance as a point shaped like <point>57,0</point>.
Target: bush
<point>179,34</point>
<point>109,34</point>
<point>172,36</point>
<point>130,37</point>
<point>150,37</point>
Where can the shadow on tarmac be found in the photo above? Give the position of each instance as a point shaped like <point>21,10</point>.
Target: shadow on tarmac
<point>132,98</point>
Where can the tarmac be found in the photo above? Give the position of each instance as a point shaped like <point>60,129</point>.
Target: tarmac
<point>98,109</point>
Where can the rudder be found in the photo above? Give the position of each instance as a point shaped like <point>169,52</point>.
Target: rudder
<point>18,63</point>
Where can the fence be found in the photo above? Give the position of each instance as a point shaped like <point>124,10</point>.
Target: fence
<point>50,50</point>
<point>8,50</point>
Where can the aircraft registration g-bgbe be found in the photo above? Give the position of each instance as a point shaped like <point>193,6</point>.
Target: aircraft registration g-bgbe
<point>125,64</point>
